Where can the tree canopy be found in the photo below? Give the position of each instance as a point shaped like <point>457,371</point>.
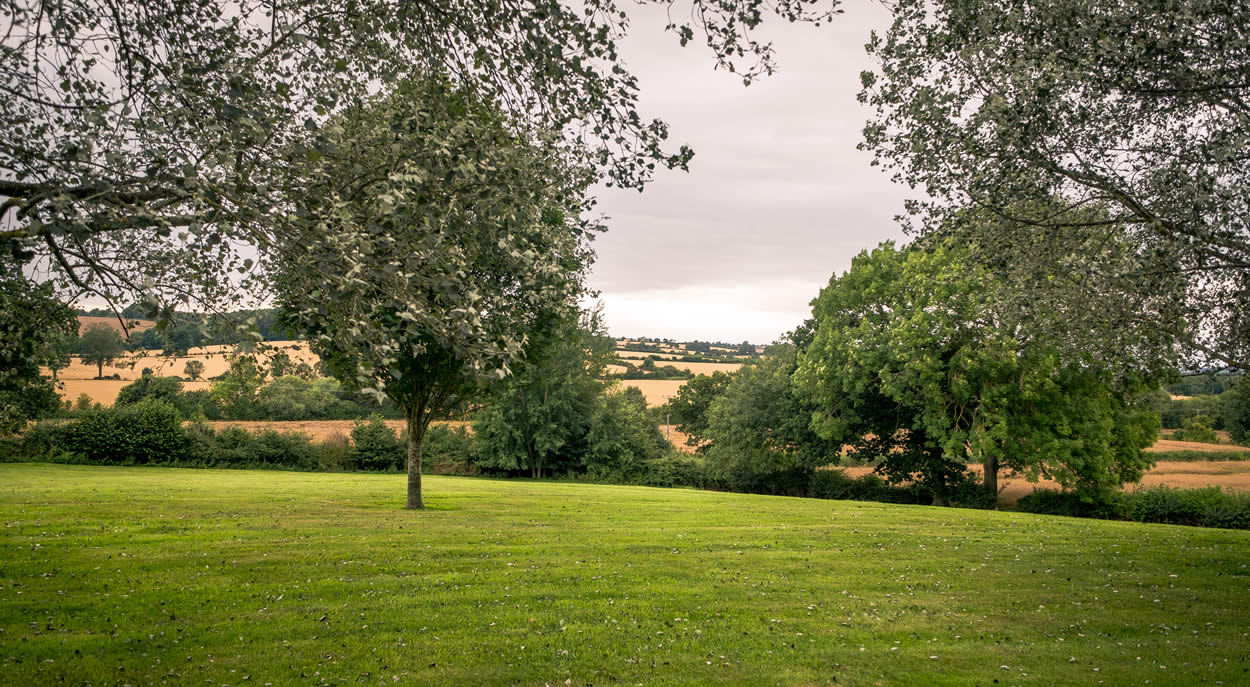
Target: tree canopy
<point>1136,107</point>
<point>150,146</point>
<point>32,327</point>
<point>433,243</point>
<point>100,344</point>
<point>917,363</point>
<point>539,420</point>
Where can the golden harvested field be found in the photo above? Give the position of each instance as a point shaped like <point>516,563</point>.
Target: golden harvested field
<point>706,368</point>
<point>636,355</point>
<point>1166,444</point>
<point>657,391</point>
<point>135,326</point>
<point>79,377</point>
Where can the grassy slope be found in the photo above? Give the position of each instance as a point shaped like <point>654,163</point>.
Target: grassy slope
<point>199,576</point>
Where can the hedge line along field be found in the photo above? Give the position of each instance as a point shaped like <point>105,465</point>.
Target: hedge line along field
<point>164,576</point>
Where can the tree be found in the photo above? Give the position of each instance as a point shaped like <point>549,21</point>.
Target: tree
<point>32,324</point>
<point>57,352</point>
<point>235,393</point>
<point>689,407</point>
<point>760,432</point>
<point>916,361</point>
<point>167,389</point>
<point>621,439</point>
<point>193,369</point>
<point>100,344</point>
<point>159,145</point>
<point>541,417</point>
<point>280,364</point>
<point>432,245</point>
<point>1136,107</point>
<point>1236,410</point>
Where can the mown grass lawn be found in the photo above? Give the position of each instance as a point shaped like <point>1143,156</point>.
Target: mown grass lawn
<point>197,577</point>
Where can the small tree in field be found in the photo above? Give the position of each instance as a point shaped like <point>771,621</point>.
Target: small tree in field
<point>452,241</point>
<point>101,345</point>
<point>193,369</point>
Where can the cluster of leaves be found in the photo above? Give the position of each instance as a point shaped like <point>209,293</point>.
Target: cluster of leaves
<point>31,322</point>
<point>151,432</point>
<point>244,392</point>
<point>556,416</point>
<point>759,432</point>
<point>1083,124</point>
<point>148,143</point>
<point>915,361</point>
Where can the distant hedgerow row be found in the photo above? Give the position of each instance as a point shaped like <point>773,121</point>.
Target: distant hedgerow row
<point>1208,507</point>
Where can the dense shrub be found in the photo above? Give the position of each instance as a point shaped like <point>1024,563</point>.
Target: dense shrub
<point>296,398</point>
<point>281,449</point>
<point>148,432</point>
<point>167,389</point>
<point>1197,456</point>
<point>1197,428</point>
<point>375,447</point>
<point>621,440</point>
<point>1056,502</point>
<point>836,484</point>
<point>1175,411</point>
<point>334,454</point>
<point>672,469</point>
<point>1209,507</point>
<point>448,451</point>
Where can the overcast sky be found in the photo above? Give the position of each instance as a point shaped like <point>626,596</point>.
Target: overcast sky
<point>777,197</point>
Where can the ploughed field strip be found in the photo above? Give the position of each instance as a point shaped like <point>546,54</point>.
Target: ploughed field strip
<point>147,575</point>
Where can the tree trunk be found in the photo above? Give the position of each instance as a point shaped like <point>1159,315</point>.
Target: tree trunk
<point>416,439</point>
<point>99,367</point>
<point>990,477</point>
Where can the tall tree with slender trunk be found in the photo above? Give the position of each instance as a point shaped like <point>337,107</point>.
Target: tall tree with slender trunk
<point>433,246</point>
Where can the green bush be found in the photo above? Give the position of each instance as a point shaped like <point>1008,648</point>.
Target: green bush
<point>836,484</point>
<point>1197,428</point>
<point>335,453</point>
<point>1198,456</point>
<point>1209,507</point>
<point>672,469</point>
<point>1057,502</point>
<point>448,451</point>
<point>281,449</point>
<point>166,389</point>
<point>148,432</point>
<point>375,447</point>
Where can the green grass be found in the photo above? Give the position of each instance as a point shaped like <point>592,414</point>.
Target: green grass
<point>149,575</point>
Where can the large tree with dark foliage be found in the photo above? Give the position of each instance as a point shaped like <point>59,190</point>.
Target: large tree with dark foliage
<point>32,325</point>
<point>1138,108</point>
<point>917,363</point>
<point>433,245</point>
<point>150,146</point>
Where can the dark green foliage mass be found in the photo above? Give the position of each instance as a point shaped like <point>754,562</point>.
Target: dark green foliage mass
<point>916,363</point>
<point>760,432</point>
<point>1136,108</point>
<point>32,326</point>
